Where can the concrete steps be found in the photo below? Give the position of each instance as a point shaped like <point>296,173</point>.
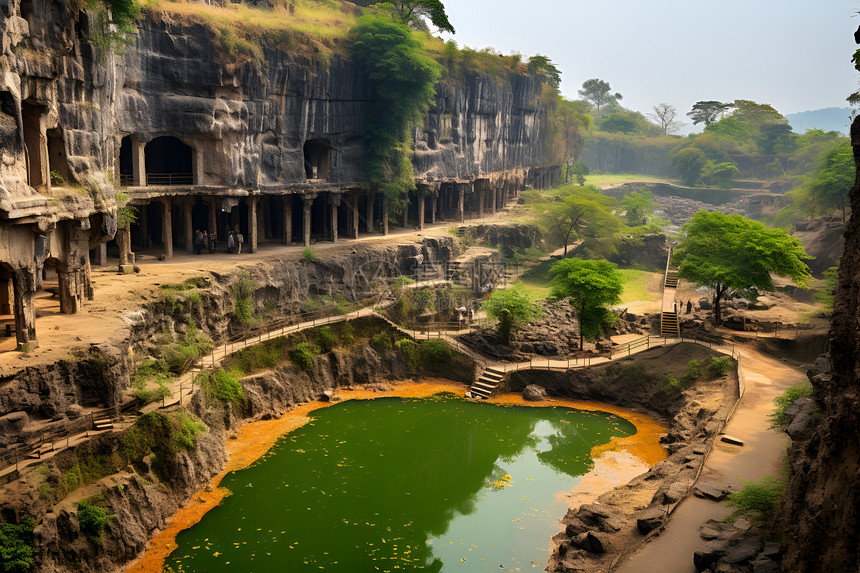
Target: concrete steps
<point>669,327</point>
<point>486,383</point>
<point>671,279</point>
<point>102,424</point>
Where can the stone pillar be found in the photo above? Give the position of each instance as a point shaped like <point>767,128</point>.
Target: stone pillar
<point>100,259</point>
<point>306,221</point>
<point>167,228</point>
<point>187,224</point>
<point>461,200</point>
<point>371,199</point>
<point>287,204</point>
<point>143,223</point>
<point>434,206</point>
<point>492,192</point>
<point>123,241</point>
<point>421,202</point>
<point>353,212</point>
<point>253,231</point>
<point>213,216</point>
<point>384,216</point>
<point>67,281</point>
<point>87,276</point>
<point>480,192</point>
<point>138,162</point>
<point>6,296</point>
<point>23,283</point>
<point>334,204</point>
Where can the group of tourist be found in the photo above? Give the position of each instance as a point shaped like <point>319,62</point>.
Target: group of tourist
<point>204,240</point>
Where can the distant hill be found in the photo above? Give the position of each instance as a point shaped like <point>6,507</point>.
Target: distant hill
<point>828,119</point>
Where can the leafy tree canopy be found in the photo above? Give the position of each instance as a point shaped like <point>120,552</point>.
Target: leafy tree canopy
<point>542,67</point>
<point>689,162</point>
<point>619,122</point>
<point>512,308</point>
<point>598,93</point>
<point>826,190</point>
<point>580,213</point>
<point>637,205</point>
<point>403,80</point>
<point>732,253</point>
<point>719,174</point>
<point>707,112</point>
<point>590,286</point>
<point>413,12</point>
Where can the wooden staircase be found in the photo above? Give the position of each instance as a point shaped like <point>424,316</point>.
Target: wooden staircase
<point>486,383</point>
<point>669,325</point>
<point>671,279</point>
<point>102,424</point>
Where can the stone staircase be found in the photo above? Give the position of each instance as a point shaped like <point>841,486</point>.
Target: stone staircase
<point>669,325</point>
<point>486,383</point>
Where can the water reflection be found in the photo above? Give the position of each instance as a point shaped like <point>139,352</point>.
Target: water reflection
<point>396,484</point>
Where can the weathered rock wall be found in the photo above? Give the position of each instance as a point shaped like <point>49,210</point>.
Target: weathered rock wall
<point>820,515</point>
<point>248,126</point>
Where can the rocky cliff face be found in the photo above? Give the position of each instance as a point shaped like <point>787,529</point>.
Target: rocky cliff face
<point>820,523</point>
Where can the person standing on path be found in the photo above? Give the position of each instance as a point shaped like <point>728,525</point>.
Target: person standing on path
<point>231,242</point>
<point>239,240</point>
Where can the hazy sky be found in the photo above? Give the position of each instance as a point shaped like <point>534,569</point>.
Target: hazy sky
<point>792,54</point>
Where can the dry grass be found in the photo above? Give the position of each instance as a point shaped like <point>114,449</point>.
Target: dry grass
<point>310,28</point>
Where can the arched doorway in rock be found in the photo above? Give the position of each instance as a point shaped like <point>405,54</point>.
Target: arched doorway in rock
<point>126,162</point>
<point>169,161</point>
<point>317,154</point>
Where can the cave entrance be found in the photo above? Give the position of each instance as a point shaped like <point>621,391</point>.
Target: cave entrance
<point>296,211</point>
<point>169,161</point>
<point>200,216</point>
<point>320,216</point>
<point>271,214</point>
<point>58,164</point>
<point>317,158</point>
<point>126,162</point>
<point>34,152</point>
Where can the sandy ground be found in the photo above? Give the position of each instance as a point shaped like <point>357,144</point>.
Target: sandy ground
<point>613,467</point>
<point>761,455</point>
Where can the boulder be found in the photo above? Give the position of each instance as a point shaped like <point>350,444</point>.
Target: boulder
<point>705,304</point>
<point>598,516</point>
<point>708,555</point>
<point>742,553</point>
<point>650,519</point>
<point>772,550</point>
<point>763,564</point>
<point>675,492</point>
<point>709,491</point>
<point>801,416</point>
<point>13,424</point>
<point>535,393</point>
<point>590,541</point>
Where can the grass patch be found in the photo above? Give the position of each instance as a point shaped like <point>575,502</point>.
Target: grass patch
<point>243,299</point>
<point>600,179</point>
<point>302,356</point>
<point>173,357</point>
<point>188,284</point>
<point>636,285</point>
<point>778,420</point>
<point>757,502</point>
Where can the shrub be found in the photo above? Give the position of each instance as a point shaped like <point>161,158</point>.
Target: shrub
<point>326,339</point>
<point>694,370</point>
<point>303,356</point>
<point>56,178</point>
<point>16,549</point>
<point>93,520</point>
<point>629,373</point>
<point>381,340</point>
<point>309,255</point>
<point>778,419</point>
<point>409,348</point>
<point>228,388</point>
<point>243,303</point>
<point>434,353</point>
<point>720,365</point>
<point>756,501</point>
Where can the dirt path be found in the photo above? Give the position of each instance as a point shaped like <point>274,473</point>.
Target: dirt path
<point>761,455</point>
<point>101,320</point>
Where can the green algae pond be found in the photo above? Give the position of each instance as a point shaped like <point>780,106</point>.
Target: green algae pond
<point>400,484</point>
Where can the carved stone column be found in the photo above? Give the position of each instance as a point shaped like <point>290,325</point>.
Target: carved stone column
<point>308,201</point>
<point>23,283</point>
<point>288,219</point>
<point>167,228</point>
<point>371,198</point>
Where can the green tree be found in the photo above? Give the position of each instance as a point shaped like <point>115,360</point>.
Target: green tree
<point>579,213</point>
<point>590,286</point>
<point>707,112</point>
<point>689,162</point>
<point>403,80</point>
<point>719,174</point>
<point>775,138</point>
<point>543,68</point>
<point>512,308</point>
<point>730,253</point>
<point>413,12</point>
<point>619,122</point>
<point>579,170</point>
<point>598,93</point>
<point>729,128</point>
<point>637,205</point>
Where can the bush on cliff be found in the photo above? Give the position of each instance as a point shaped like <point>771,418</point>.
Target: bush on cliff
<point>93,519</point>
<point>303,356</point>
<point>16,546</point>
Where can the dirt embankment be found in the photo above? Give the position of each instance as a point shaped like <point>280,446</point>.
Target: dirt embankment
<point>598,532</point>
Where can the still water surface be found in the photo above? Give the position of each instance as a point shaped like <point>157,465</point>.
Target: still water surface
<point>394,484</point>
